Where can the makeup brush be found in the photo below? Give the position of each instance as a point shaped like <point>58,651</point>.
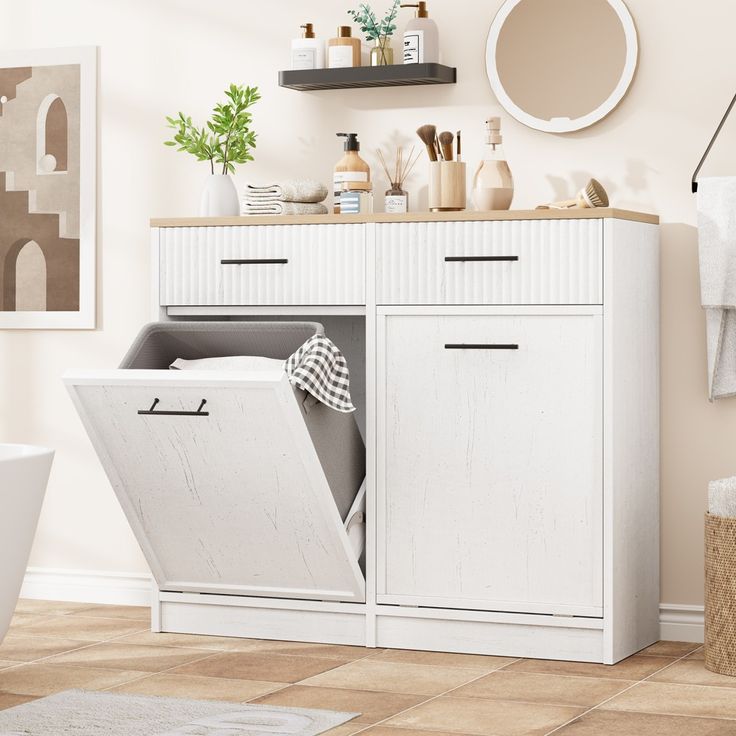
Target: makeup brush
<point>459,145</point>
<point>427,134</point>
<point>592,195</point>
<point>446,140</point>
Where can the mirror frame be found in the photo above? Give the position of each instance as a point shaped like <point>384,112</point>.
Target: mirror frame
<point>563,125</point>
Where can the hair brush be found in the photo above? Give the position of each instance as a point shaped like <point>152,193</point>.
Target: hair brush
<point>592,195</point>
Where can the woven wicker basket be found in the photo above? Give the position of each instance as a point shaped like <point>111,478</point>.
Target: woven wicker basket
<point>720,595</point>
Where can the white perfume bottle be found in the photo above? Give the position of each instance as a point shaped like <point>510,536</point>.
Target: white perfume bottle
<point>307,52</point>
<point>493,185</point>
<point>421,37</point>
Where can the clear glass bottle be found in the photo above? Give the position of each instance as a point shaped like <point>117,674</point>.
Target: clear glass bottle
<point>382,54</point>
<point>493,185</point>
<point>397,200</point>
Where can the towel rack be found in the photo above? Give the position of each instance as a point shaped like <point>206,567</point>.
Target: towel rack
<point>710,145</point>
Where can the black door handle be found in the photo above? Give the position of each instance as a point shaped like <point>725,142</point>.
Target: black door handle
<point>251,261</point>
<point>463,259</point>
<point>480,346</point>
<point>153,412</point>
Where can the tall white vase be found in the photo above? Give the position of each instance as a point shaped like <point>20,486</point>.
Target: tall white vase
<point>220,197</point>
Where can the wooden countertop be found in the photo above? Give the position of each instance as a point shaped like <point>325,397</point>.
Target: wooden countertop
<point>464,216</point>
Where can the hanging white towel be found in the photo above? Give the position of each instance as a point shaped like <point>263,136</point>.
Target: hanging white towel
<point>717,247</point>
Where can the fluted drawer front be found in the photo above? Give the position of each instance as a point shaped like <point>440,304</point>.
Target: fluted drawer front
<point>263,265</point>
<point>501,262</point>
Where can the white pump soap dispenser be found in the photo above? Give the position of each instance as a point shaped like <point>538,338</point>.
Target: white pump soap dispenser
<point>421,37</point>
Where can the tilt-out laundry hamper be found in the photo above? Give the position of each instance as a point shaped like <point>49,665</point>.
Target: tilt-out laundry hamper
<point>234,482</point>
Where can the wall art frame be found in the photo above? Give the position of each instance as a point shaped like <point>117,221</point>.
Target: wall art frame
<point>48,188</point>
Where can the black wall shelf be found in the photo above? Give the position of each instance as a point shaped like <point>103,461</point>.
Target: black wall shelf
<point>395,75</point>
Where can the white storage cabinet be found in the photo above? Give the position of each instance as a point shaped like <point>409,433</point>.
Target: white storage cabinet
<point>511,404</point>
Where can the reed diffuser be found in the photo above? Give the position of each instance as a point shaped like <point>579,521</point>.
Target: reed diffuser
<point>397,199</point>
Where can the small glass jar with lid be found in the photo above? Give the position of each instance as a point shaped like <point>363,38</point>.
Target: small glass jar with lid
<point>356,198</point>
<point>397,200</point>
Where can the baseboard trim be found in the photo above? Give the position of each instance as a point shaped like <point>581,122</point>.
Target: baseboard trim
<point>681,622</point>
<point>677,622</point>
<point>87,586</point>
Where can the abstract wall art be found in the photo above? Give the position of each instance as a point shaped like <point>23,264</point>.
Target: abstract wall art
<point>48,124</point>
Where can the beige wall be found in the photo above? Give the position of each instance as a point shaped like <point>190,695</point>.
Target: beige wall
<point>158,56</point>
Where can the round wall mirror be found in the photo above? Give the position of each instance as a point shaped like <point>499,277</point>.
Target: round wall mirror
<point>561,65</point>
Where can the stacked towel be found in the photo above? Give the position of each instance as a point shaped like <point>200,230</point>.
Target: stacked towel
<point>717,240</point>
<point>298,197</point>
<point>722,498</point>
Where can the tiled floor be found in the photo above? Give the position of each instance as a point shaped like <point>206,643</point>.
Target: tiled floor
<point>663,691</point>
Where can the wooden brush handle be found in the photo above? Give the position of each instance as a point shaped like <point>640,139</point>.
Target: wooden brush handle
<point>447,152</point>
<point>431,152</point>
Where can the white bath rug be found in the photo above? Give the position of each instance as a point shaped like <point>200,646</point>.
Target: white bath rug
<point>82,713</point>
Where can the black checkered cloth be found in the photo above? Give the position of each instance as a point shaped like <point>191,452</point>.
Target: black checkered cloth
<point>319,368</point>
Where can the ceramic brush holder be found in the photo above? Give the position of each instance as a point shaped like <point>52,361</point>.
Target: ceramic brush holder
<point>447,192</point>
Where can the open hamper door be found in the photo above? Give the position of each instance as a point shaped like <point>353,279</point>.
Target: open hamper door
<point>232,482</point>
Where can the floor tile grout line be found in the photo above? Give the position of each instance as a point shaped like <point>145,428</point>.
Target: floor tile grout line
<point>432,698</point>
<point>625,690</point>
<point>160,672</point>
<point>86,645</point>
<point>42,660</point>
<point>671,715</point>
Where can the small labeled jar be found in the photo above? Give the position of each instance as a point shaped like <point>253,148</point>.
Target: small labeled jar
<point>397,200</point>
<point>356,198</point>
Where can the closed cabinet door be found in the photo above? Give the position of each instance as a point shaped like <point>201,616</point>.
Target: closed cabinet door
<point>490,461</point>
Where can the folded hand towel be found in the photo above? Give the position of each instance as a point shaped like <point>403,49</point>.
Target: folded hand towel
<point>228,363</point>
<point>717,246</point>
<point>319,368</point>
<point>283,208</point>
<point>722,498</point>
<point>297,190</point>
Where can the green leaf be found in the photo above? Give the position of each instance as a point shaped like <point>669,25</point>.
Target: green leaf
<point>226,137</point>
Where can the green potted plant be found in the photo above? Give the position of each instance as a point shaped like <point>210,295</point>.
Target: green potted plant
<point>225,140</point>
<point>378,31</point>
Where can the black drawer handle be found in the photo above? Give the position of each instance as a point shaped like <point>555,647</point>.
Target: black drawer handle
<point>252,261</point>
<point>152,411</point>
<point>480,346</point>
<point>463,259</point>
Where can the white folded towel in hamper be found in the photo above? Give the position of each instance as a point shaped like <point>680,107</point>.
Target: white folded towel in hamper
<point>317,367</point>
<point>717,251</point>
<point>228,363</point>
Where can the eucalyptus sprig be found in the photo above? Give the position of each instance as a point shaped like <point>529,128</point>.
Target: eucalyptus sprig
<point>369,24</point>
<point>226,138</point>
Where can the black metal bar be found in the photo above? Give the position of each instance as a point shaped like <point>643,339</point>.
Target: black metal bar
<point>152,411</point>
<point>462,259</point>
<point>710,145</point>
<point>251,261</point>
<point>481,346</point>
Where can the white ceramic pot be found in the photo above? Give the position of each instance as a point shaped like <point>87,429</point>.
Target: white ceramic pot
<point>220,197</point>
